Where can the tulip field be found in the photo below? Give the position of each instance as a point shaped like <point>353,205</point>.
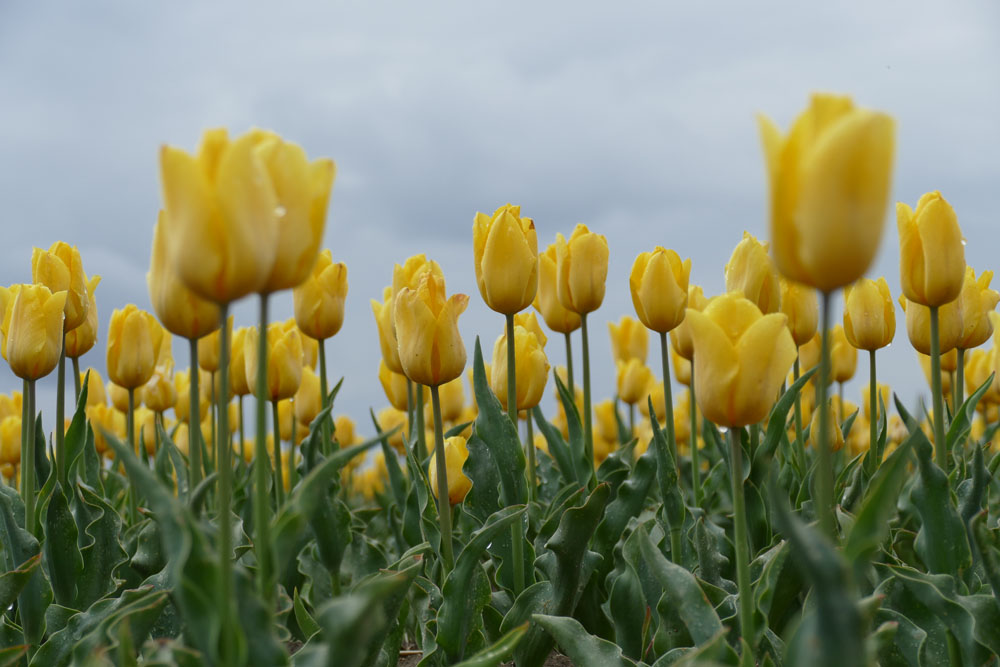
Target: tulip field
<point>722,504</point>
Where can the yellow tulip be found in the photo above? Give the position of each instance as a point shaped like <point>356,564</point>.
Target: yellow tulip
<point>932,253</point>
<point>430,347</point>
<point>134,340</point>
<point>629,340</point>
<point>634,379</point>
<point>394,386</point>
<point>118,396</point>
<point>343,430</point>
<point>159,393</point>
<point>80,340</point>
<point>32,329</point>
<point>239,383</point>
<point>388,419</point>
<point>949,361</point>
<point>308,401</point>
<point>95,387</point>
<point>10,440</point>
<point>801,307</point>
<point>869,314</point>
<point>682,368</point>
<point>530,322</point>
<point>286,415</point>
<point>829,189</point>
<point>741,357</point>
<point>975,302</point>
<point>581,270</point>
<point>603,448</point>
<point>557,317</point>
<point>532,370</point>
<point>105,418</point>
<point>144,421</point>
<point>682,417</point>
<point>387,330</point>
<point>180,310</point>
<point>680,337</point>
<point>452,396</point>
<point>11,404</point>
<point>223,216</point>
<point>834,435</point>
<point>979,364</point>
<point>883,392</point>
<point>310,350</point>
<point>809,355</point>
<point>655,391</point>
<point>456,451</point>
<point>605,420</point>
<point>208,347</point>
<point>182,382</point>
<point>751,270</point>
<point>925,364</point>
<point>843,356</point>
<point>319,301</point>
<point>411,271</point>
<point>918,325</point>
<point>659,286</point>
<point>505,252</point>
<point>284,359</point>
<point>61,270</point>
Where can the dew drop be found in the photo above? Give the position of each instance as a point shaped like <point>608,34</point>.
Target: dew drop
<point>280,211</point>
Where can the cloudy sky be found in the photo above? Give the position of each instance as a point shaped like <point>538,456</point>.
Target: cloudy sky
<point>638,121</point>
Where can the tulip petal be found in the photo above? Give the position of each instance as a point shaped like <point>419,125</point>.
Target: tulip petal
<point>716,366</point>
<point>766,352</point>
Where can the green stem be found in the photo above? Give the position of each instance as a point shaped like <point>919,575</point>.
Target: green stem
<point>958,390</point>
<point>940,449</point>
<point>292,472</point>
<point>133,502</point>
<point>60,416</point>
<point>824,472</point>
<point>214,410</point>
<point>569,365</point>
<point>28,456</point>
<point>243,430</point>
<point>588,420</point>
<point>194,417</point>
<point>444,506</point>
<point>873,416</point>
<point>741,542</point>
<point>411,398</point>
<point>631,419</point>
<point>516,528</point>
<point>695,462</point>
<point>224,465</point>
<point>800,448</point>
<point>279,478</point>
<point>323,389</point>
<point>840,403</point>
<point>668,401</point>
<point>262,471</point>
<point>77,388</point>
<point>421,436</point>
<point>532,480</point>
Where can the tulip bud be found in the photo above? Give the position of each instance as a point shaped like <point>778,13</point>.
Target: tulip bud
<point>144,421</point>
<point>61,270</point>
<point>430,347</point>
<point>455,453</point>
<point>925,364</point>
<point>182,382</point>
<point>310,350</point>
<point>284,359</point>
<point>557,317</point>
<point>319,301</point>
<point>655,391</point>
<point>682,417</point>
<point>659,287</point>
<point>159,393</point>
<point>505,252</point>
<point>741,357</point>
<point>682,368</point>
<point>532,370</point>
<point>603,448</point>
<point>809,355</point>
<point>843,356</point>
<point>452,397</point>
<point>134,341</point>
<point>834,435</point>
<point>105,418</point>
<point>932,253</point>
<point>308,401</point>
<point>10,440</point>
<point>975,302</point>
<point>181,311</point>
<point>208,347</point>
<point>394,385</point>
<point>32,329</point>
<point>343,431</point>
<point>387,330</point>
<point>829,186</point>
<point>388,419</point>
<point>82,338</point>
<point>883,393</point>
<point>95,387</point>
<point>286,414</point>
<point>239,383</point>
<point>634,379</point>
<point>606,421</point>
<point>11,404</point>
<point>751,270</point>
<point>530,322</point>
<point>869,314</point>
<point>800,306</point>
<point>918,325</point>
<point>582,270</point>
<point>118,396</point>
<point>949,361</point>
<point>629,340</point>
<point>680,337</point>
<point>223,216</point>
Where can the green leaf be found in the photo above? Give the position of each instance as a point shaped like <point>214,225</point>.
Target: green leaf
<point>19,546</point>
<point>961,421</point>
<point>871,527</point>
<point>13,581</point>
<point>629,501</point>
<point>392,602</point>
<point>778,419</point>
<point>673,502</point>
<point>63,561</point>
<point>492,656</point>
<point>583,648</point>
<point>76,435</point>
<point>100,547</point>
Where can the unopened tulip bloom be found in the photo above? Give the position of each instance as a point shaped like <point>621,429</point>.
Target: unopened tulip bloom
<point>581,270</point>
<point>682,368</point>
<point>452,400</point>
<point>95,387</point>
<point>32,329</point>
<point>680,337</point>
<point>182,382</point>
<point>530,322</point>
<point>975,302</point>
<point>145,430</point>
<point>208,347</point>
<point>10,440</point>
<point>456,452</point>
<point>319,301</point>
<point>918,325</point>
<point>343,430</point>
<point>505,254</point>
<point>751,270</point>
<point>557,317</point>
<point>180,310</point>
<point>659,286</point>
<point>741,357</point>
<point>532,371</point>
<point>430,347</point>
<point>394,386</point>
<point>60,269</point>
<point>308,401</point>
<point>105,418</point>
<point>843,356</point>
<point>634,379</point>
<point>286,415</point>
<point>925,364</point>
<point>388,419</point>
<point>134,339</point>
<point>932,253</point>
<point>655,391</point>
<point>310,350</point>
<point>829,188</point>
<point>239,383</point>
<point>869,314</point>
<point>606,420</point>
<point>160,394</point>
<point>284,360</point>
<point>834,435</point>
<point>801,307</point>
<point>629,340</point>
<point>883,392</point>
<point>118,396</point>
<point>387,331</point>
<point>223,216</point>
<point>80,340</point>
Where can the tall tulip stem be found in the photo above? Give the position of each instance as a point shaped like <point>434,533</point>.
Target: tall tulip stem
<point>421,428</point>
<point>873,415</point>
<point>194,417</point>
<point>824,471</point>
<point>940,448</point>
<point>695,462</point>
<point>215,422</point>
<point>444,506</point>
<point>76,380</point>
<point>224,465</point>
<point>28,456</point>
<point>800,448</point>
<point>569,364</point>
<point>668,399</point>
<point>410,406</point>
<point>60,416</point>
<point>511,372</point>
<point>243,430</point>
<point>279,477</point>
<point>588,420</point>
<point>133,502</point>
<point>516,528</point>
<point>741,540</point>
<point>325,400</point>
<point>532,480</point>
<point>262,471</point>
<point>958,390</point>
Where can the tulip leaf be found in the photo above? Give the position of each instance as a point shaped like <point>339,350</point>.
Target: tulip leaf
<point>493,655</point>
<point>961,422</point>
<point>397,482</point>
<point>100,548</point>
<point>674,510</point>
<point>871,528</point>
<point>583,648</point>
<point>778,419</point>
<point>63,561</point>
<point>392,602</point>
<point>13,580</point>
<point>76,435</point>
<point>629,501</point>
<point>565,458</point>
<point>19,546</point>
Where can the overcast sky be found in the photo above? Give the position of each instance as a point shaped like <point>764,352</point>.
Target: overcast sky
<point>636,120</point>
